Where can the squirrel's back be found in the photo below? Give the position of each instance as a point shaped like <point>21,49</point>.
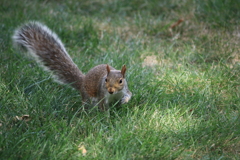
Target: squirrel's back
<point>45,46</point>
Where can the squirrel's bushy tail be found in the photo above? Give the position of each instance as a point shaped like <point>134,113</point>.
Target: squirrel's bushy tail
<point>45,46</point>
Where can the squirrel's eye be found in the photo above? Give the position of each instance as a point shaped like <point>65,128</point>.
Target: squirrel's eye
<point>106,80</point>
<point>120,81</point>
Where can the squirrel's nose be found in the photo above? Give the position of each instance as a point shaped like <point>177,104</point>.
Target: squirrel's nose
<point>111,90</point>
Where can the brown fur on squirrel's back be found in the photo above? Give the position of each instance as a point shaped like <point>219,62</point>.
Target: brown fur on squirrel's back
<point>46,47</point>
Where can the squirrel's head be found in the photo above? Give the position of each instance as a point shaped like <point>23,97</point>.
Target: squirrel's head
<point>115,80</point>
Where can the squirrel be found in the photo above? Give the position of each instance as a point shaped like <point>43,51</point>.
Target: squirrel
<point>103,85</point>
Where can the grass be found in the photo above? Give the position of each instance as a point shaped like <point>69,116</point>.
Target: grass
<point>185,81</point>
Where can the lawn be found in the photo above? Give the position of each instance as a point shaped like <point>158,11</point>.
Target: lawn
<point>183,68</point>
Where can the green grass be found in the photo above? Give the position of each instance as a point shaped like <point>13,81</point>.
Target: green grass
<point>185,81</point>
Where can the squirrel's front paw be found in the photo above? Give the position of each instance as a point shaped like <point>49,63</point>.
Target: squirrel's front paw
<point>125,99</point>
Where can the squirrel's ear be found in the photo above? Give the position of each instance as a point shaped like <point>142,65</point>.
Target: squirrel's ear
<point>123,70</point>
<point>108,69</point>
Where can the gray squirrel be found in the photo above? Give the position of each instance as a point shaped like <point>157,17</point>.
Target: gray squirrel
<point>103,85</point>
